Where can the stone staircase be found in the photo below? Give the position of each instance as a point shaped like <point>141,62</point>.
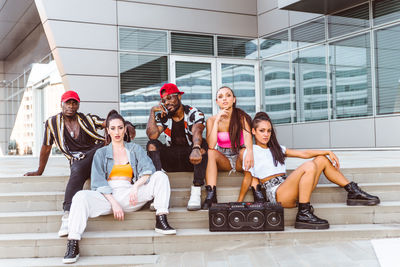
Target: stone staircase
<point>30,211</point>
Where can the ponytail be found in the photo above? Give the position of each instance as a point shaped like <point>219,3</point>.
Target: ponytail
<point>113,114</point>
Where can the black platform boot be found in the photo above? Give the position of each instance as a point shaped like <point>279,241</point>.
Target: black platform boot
<point>305,218</point>
<point>162,225</point>
<point>72,253</point>
<point>357,197</point>
<point>211,197</point>
<point>258,194</point>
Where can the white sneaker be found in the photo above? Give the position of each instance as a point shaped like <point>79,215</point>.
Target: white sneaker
<point>64,225</point>
<point>195,198</point>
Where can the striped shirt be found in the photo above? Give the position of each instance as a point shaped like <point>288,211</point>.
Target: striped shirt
<point>54,132</point>
<point>191,116</point>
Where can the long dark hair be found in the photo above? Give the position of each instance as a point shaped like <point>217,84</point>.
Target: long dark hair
<point>237,123</point>
<point>272,144</point>
<point>113,114</point>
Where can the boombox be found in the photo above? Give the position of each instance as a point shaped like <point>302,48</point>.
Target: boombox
<point>242,216</point>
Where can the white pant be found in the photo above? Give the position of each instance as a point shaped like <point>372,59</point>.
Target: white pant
<point>90,204</point>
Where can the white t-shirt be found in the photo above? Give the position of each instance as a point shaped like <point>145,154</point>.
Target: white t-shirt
<point>264,163</point>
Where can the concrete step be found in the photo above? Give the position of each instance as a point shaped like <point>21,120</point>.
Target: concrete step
<point>31,201</point>
<point>96,261</point>
<point>324,193</point>
<point>180,218</point>
<point>184,179</point>
<point>147,242</point>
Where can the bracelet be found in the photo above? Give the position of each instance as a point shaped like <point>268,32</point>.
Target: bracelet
<point>196,147</point>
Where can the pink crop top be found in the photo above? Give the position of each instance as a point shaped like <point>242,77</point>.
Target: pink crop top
<point>224,141</point>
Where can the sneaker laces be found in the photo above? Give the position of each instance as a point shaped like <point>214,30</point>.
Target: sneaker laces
<point>71,246</point>
<point>164,222</point>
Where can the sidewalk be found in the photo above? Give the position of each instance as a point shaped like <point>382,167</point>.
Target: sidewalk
<point>334,254</point>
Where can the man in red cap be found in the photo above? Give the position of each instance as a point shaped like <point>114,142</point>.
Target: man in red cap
<point>185,149</point>
<point>75,135</point>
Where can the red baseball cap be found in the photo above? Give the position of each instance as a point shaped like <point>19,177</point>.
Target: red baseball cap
<point>70,95</point>
<point>169,88</point>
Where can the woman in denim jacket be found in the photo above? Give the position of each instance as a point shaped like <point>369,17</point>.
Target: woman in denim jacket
<point>123,180</point>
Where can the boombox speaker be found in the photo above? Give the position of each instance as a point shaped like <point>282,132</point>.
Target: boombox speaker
<point>242,216</point>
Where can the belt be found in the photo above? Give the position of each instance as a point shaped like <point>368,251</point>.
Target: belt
<point>269,178</point>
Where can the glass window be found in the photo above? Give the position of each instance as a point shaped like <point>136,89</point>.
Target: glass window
<point>350,62</point>
<point>142,40</point>
<point>388,70</point>
<point>385,11</point>
<point>274,44</point>
<point>141,78</point>
<point>237,47</point>
<point>194,79</point>
<point>351,20</point>
<point>279,98</point>
<point>309,68</point>
<point>192,44</point>
<point>240,78</point>
<point>309,33</point>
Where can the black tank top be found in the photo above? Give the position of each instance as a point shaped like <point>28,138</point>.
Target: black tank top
<point>178,136</point>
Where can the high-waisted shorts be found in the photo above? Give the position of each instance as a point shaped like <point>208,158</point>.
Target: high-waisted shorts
<point>271,186</point>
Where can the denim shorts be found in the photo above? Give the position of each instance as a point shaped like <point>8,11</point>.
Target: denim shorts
<point>231,156</point>
<point>271,186</point>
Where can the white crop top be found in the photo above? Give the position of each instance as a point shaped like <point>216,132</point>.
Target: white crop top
<point>264,163</point>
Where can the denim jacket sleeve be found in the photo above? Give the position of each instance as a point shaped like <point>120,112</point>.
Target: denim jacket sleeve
<point>98,177</point>
<point>144,164</point>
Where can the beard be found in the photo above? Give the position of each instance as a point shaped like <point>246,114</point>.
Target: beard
<point>176,107</point>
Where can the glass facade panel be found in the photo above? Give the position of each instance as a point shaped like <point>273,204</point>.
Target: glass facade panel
<point>274,44</point>
<point>308,34</point>
<point>141,78</point>
<point>279,98</point>
<point>192,44</point>
<point>385,11</point>
<point>142,40</point>
<point>388,70</point>
<point>309,68</point>
<point>194,79</point>
<point>296,85</point>
<point>348,21</point>
<point>237,47</point>
<point>240,78</point>
<point>350,62</point>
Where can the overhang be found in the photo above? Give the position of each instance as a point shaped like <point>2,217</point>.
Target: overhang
<point>317,6</point>
<point>18,18</point>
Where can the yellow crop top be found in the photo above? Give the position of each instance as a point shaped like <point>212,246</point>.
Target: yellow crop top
<point>124,170</point>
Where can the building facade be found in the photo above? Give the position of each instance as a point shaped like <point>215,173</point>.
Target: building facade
<point>325,71</point>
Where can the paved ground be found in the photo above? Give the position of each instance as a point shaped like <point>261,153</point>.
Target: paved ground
<point>349,254</point>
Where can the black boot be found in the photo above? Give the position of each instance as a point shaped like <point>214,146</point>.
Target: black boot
<point>211,197</point>
<point>162,225</point>
<point>258,194</point>
<point>72,253</point>
<point>305,218</point>
<point>357,197</point>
